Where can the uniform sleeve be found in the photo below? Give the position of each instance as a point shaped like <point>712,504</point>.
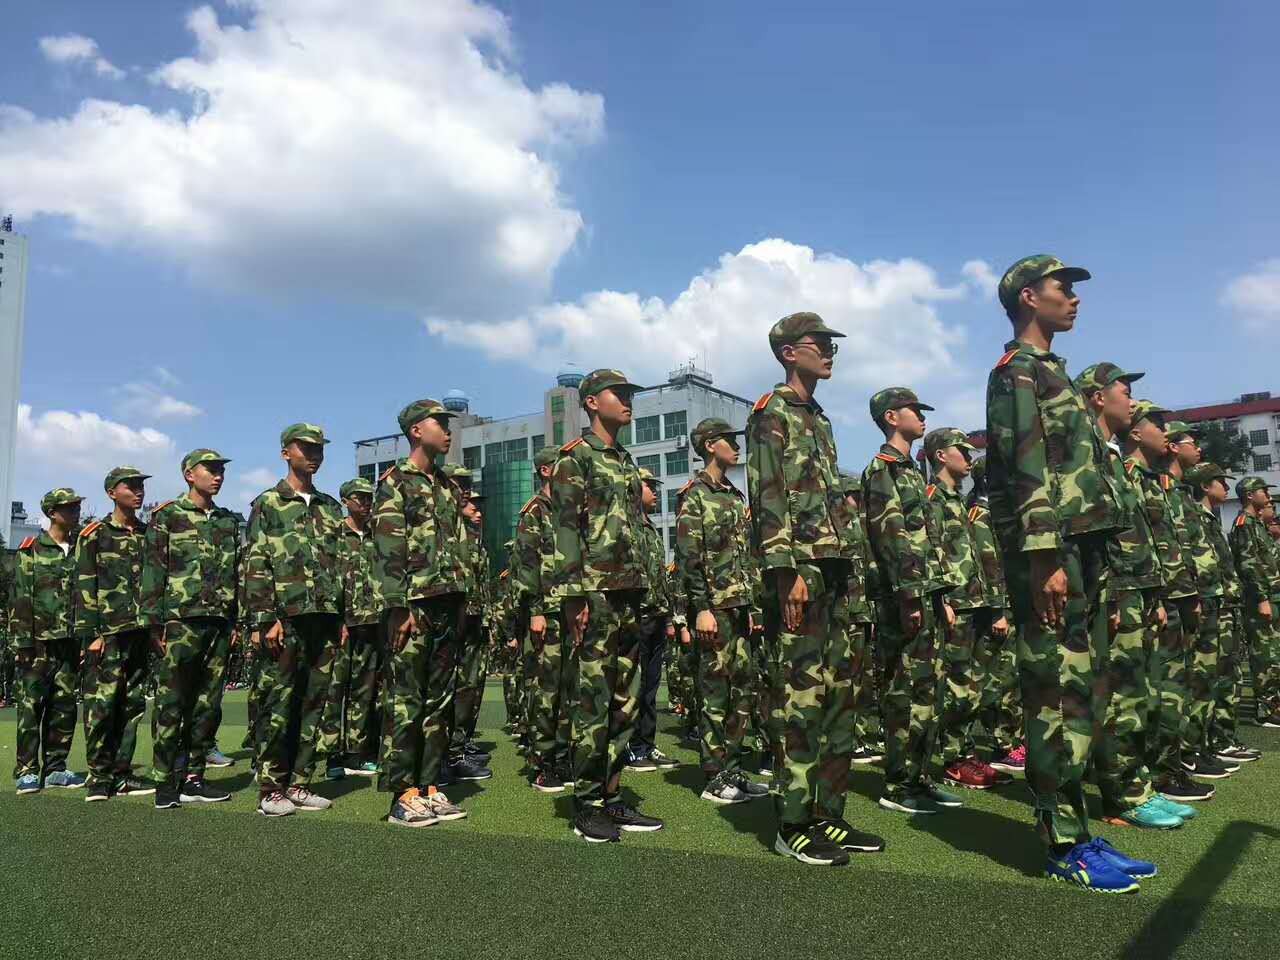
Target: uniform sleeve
<point>259,576</point>
<point>22,620</point>
<point>896,545</point>
<point>568,497</point>
<point>767,485</point>
<point>88,610</point>
<point>152,601</point>
<point>1016,432</point>
<point>1255,577</point>
<point>525,576</point>
<point>391,546</point>
<point>690,556</point>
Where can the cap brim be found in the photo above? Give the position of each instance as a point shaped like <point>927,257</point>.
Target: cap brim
<point>1130,377</point>
<point>919,405</point>
<point>1071,274</point>
<point>824,329</point>
<point>308,439</point>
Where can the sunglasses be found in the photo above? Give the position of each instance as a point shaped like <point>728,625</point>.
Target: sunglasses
<point>828,349</point>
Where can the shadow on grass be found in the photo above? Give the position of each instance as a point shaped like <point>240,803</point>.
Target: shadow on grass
<point>1001,840</point>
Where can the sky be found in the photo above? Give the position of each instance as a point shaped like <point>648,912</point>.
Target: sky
<point>248,213</point>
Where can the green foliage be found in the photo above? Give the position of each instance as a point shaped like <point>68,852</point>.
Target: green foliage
<point>1231,451</point>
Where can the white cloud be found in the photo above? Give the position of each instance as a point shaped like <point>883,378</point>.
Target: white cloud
<point>981,277</point>
<point>381,152</point>
<point>149,401</point>
<point>75,48</point>
<point>164,377</point>
<point>250,483</point>
<point>1256,295</point>
<point>887,309</point>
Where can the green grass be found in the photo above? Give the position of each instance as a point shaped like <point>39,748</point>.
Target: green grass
<point>120,880</point>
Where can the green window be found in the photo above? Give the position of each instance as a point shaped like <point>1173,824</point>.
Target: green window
<point>675,424</point>
<point>671,537</point>
<point>493,453</point>
<point>384,466</point>
<point>368,471</point>
<point>624,435</point>
<point>651,463</point>
<point>471,457</point>
<point>557,431</point>
<point>677,462</point>
<point>673,501</point>
<point>557,406</point>
<point>539,441</point>
<point>647,429</point>
<point>514,450</point>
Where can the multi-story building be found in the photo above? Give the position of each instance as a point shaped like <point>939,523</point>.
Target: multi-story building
<point>13,297</point>
<point>500,450</point>
<point>1255,416</point>
<point>21,525</point>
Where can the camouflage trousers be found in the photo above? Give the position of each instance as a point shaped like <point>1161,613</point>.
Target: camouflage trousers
<point>253,668</point>
<point>417,690</point>
<point>608,692</point>
<point>464,709</point>
<point>1128,699</point>
<point>507,662</point>
<point>8,672</point>
<point>292,689</point>
<point>1226,686</point>
<point>964,673</point>
<point>345,732</point>
<point>46,720</point>
<point>1202,675</point>
<point>115,698</point>
<point>910,703</point>
<point>759,691</point>
<point>183,675</point>
<point>1263,635</point>
<point>868,688</point>
<point>812,700</point>
<point>1057,666</point>
<point>1173,647</point>
<point>1000,706</point>
<point>551,695</point>
<point>725,679</point>
<point>209,700</point>
<point>690,692</point>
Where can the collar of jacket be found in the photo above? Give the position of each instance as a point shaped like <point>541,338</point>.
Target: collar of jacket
<point>595,443</point>
<point>186,503</point>
<point>1036,352</point>
<point>789,395</point>
<point>725,483</point>
<point>945,491</point>
<point>44,540</point>
<point>890,450</point>
<point>1145,471</point>
<point>407,465</point>
<point>138,525</point>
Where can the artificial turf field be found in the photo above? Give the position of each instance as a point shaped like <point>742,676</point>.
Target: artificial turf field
<point>122,880</point>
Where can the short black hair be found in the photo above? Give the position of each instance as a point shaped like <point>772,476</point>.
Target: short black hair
<point>1037,286</point>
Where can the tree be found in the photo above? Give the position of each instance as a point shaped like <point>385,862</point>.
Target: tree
<point>1231,451</point>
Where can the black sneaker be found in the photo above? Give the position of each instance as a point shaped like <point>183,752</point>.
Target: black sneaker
<point>199,791</point>
<point>166,796</point>
<point>1183,789</point>
<point>1238,753</point>
<point>564,773</point>
<point>97,791</point>
<point>808,845</point>
<point>1206,768</point>
<point>475,754</point>
<point>663,762</point>
<point>842,834</point>
<point>547,782</point>
<point>865,755</point>
<point>134,787</point>
<point>631,820</point>
<point>639,762</point>
<point>594,826</point>
<point>1272,722</point>
<point>466,769</point>
<point>766,764</point>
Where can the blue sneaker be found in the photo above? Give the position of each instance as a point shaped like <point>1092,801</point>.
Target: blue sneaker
<point>64,779</point>
<point>28,783</point>
<point>1183,810</point>
<point>1151,814</point>
<point>1138,869</point>
<point>335,772</point>
<point>1086,867</point>
<point>216,758</point>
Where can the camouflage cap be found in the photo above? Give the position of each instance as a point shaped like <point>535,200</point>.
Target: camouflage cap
<point>1030,269</point>
<point>795,325</point>
<point>546,457</point>
<point>1144,409</point>
<point>709,429</point>
<point>891,398</point>
<point>945,437</point>
<point>1099,376</point>
<point>353,487</point>
<point>1203,472</point>
<point>420,409</point>
<point>305,432</point>
<point>647,476</point>
<point>58,497</point>
<point>1180,428</point>
<point>978,473</point>
<point>603,379</point>
<point>850,483</point>
<point>475,493</point>
<point>1247,485</point>
<point>456,471</point>
<point>120,474</point>
<point>202,455</point>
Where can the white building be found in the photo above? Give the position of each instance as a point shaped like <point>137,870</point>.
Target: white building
<point>501,450</point>
<point>1253,415</point>
<point>13,297</point>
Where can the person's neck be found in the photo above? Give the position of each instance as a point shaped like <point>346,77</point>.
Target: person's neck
<point>1105,428</point>
<point>424,461</point>
<point>300,482</point>
<point>714,470</point>
<point>124,518</point>
<point>58,533</point>
<point>1174,468</point>
<point>202,500</point>
<point>1139,456</point>
<point>607,432</point>
<point>1250,509</point>
<point>1208,504</point>
<point>545,489</point>
<point>802,385</point>
<point>949,481</point>
<point>899,443</point>
<point>1034,335</point>
<point>358,524</point>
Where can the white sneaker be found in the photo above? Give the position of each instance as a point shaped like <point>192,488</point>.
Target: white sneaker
<point>722,791</point>
<point>440,806</point>
<point>305,800</point>
<point>276,805</point>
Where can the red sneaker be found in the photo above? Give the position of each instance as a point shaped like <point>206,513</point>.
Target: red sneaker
<point>966,773</point>
<point>997,777</point>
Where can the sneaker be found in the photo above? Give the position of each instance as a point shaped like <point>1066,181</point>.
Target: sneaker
<point>274,804</point>
<point>722,790</point>
<point>465,769</point>
<point>1086,867</point>
<point>166,796</point>
<point>909,803</point>
<point>28,783</point>
<point>1177,809</point>
<point>335,772</point>
<point>131,786</point>
<point>663,762</point>
<point>1238,753</point>
<point>1138,869</point>
<point>998,778</point>
<point>547,782</point>
<point>1152,814</point>
<point>841,833</point>
<point>305,800</point>
<point>97,791</point>
<point>808,845</point>
<point>865,755</point>
<point>691,739</point>
<point>1207,768</point>
<point>1272,722</point>
<point>366,769</point>
<point>441,806</point>
<point>593,825</point>
<point>941,797</point>
<point>640,762</point>
<point>1015,761</point>
<point>629,819</point>
<point>64,779</point>
<point>1181,788</point>
<point>410,811</point>
<point>199,791</point>
<point>216,758</point>
<point>474,753</point>
<point>766,764</point>
<point>967,774</point>
<point>752,789</point>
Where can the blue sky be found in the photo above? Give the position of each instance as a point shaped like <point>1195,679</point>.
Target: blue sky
<point>309,209</point>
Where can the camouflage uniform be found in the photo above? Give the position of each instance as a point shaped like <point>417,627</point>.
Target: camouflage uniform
<point>190,590</point>
<point>655,616</point>
<point>293,576</point>
<point>801,523</point>
<point>600,556</point>
<point>464,708</point>
<point>1255,565</point>
<point>6,641</point>
<point>42,625</point>
<point>1050,490</point>
<point>419,566</point>
<point>868,730</point>
<point>109,560</point>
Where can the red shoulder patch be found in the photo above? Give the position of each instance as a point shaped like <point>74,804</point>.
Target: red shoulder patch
<point>1006,358</point>
<point>160,506</point>
<point>503,574</point>
<point>886,458</point>
<point>88,531</point>
<point>386,473</point>
<point>974,513</point>
<point>685,488</point>
<point>528,506</point>
<point>571,444</point>
<point>762,402</point>
<point>27,544</point>
<point>930,490</point>
<point>1130,466</point>
<point>1239,523</point>
<point>1166,481</point>
<point>671,567</point>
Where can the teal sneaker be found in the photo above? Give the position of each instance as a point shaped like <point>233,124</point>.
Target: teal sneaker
<point>366,769</point>
<point>1183,810</point>
<point>941,797</point>
<point>1151,815</point>
<point>1086,867</point>
<point>912,803</point>
<point>335,772</point>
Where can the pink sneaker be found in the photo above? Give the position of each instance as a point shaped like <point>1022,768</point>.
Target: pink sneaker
<point>1015,761</point>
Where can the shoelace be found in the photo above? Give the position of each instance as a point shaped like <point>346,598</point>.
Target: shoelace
<point>302,793</point>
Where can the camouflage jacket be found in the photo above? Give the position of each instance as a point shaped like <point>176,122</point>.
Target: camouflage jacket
<point>531,557</point>
<point>192,563</point>
<point>1190,533</point>
<point>45,594</point>
<point>109,561</point>
<point>1216,540</point>
<point>6,594</point>
<point>418,539</point>
<point>904,532</point>
<point>713,553</point>
<point>798,512</point>
<point>1046,469</point>
<point>988,554</point>
<point>478,587</point>
<point>960,546</point>
<point>1253,558</point>
<point>597,519</point>
<point>292,558</point>
<point>658,600</point>
<point>360,603</point>
<point>1131,555</point>
<point>865,576</point>
<point>1178,574</point>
